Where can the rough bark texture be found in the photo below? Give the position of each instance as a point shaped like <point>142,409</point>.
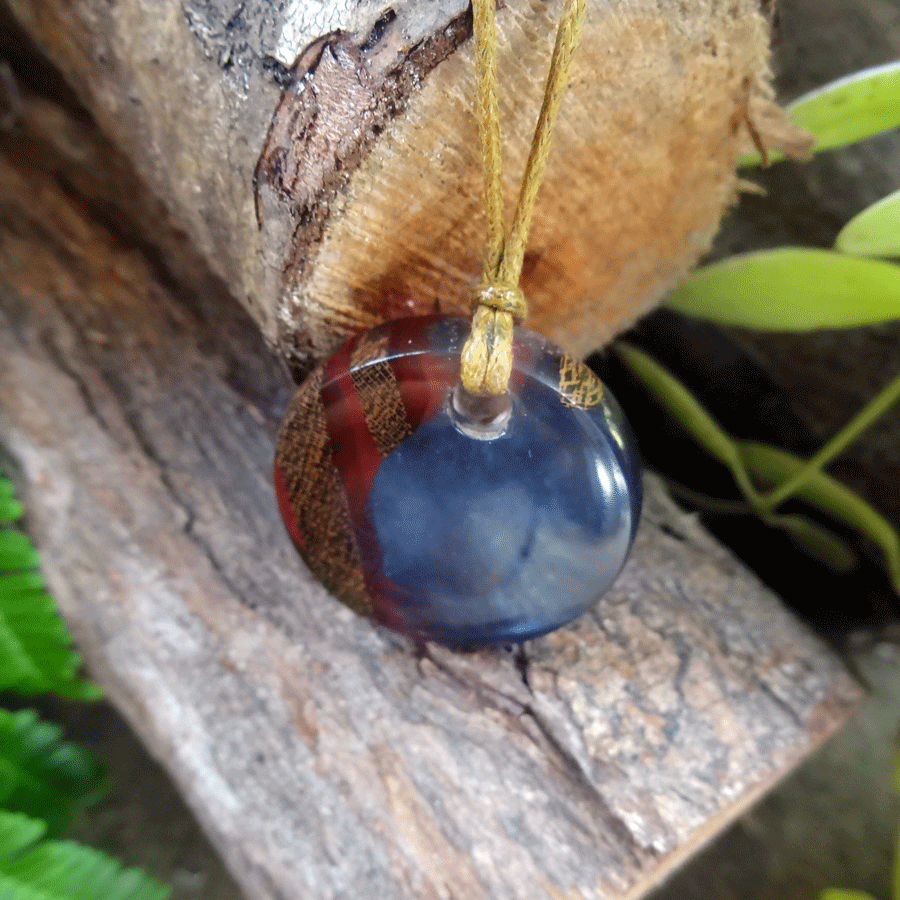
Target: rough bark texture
<point>324,756</point>
<point>348,129</point>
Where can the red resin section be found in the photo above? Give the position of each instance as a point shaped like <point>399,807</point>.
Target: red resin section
<point>284,507</point>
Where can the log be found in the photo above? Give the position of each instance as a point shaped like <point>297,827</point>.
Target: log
<point>324,756</point>
<point>323,157</point>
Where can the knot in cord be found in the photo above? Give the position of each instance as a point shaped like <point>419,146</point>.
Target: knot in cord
<point>502,298</point>
<point>487,355</point>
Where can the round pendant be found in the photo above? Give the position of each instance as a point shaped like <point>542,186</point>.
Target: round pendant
<point>468,521</point>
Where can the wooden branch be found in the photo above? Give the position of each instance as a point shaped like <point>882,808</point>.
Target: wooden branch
<point>348,128</point>
<point>324,757</point>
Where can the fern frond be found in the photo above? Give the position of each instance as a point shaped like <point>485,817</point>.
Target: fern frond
<point>35,646</point>
<point>42,775</point>
<point>10,508</point>
<point>63,870</point>
<point>18,833</point>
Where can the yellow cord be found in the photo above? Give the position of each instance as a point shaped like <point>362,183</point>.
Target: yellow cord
<point>487,355</point>
<point>487,108</point>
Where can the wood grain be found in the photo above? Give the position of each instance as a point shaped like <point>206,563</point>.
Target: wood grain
<point>349,129</point>
<point>641,170</point>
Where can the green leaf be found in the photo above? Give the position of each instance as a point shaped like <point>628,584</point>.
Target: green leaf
<point>21,581</point>
<point>16,551</point>
<point>35,654</point>
<point>62,870</point>
<point>791,290</point>
<point>42,775</point>
<point>18,832</point>
<point>772,466</point>
<point>842,894</point>
<point>66,871</point>
<point>838,442</point>
<point>873,232</point>
<point>850,109</point>
<point>819,541</point>
<point>693,417</point>
<point>754,464</point>
<point>10,508</point>
<point>823,544</point>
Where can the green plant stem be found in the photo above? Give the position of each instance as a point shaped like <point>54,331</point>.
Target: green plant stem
<point>690,414</point>
<point>873,410</point>
<point>704,501</point>
<point>819,541</point>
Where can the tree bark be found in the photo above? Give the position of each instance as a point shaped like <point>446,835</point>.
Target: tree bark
<point>323,157</point>
<point>325,757</point>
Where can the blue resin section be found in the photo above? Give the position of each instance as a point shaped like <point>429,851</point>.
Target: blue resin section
<point>485,542</point>
<point>441,523</point>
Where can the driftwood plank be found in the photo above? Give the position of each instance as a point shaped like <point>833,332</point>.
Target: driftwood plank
<point>325,757</point>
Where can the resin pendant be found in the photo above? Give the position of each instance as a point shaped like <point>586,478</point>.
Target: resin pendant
<point>463,520</point>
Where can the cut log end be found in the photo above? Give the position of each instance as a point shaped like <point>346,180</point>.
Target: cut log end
<point>641,171</point>
<point>365,173</point>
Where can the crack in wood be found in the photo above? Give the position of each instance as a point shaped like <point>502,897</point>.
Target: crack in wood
<point>585,785</point>
<point>340,97</point>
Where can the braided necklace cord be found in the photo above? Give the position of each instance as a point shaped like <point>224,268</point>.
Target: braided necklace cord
<point>487,355</point>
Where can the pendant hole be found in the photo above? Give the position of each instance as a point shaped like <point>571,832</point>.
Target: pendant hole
<point>483,417</point>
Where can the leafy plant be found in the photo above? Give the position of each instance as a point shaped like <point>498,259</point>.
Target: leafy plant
<point>848,110</point>
<point>767,476</point>
<point>44,780</point>
<point>35,654</point>
<point>35,869</point>
<point>42,775</point>
<point>792,289</point>
<point>800,289</point>
<point>875,231</point>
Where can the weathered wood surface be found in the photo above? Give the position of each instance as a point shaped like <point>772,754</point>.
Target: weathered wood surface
<point>324,757</point>
<point>354,122</point>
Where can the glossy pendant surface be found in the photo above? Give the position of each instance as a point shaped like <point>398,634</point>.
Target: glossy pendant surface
<point>422,517</point>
